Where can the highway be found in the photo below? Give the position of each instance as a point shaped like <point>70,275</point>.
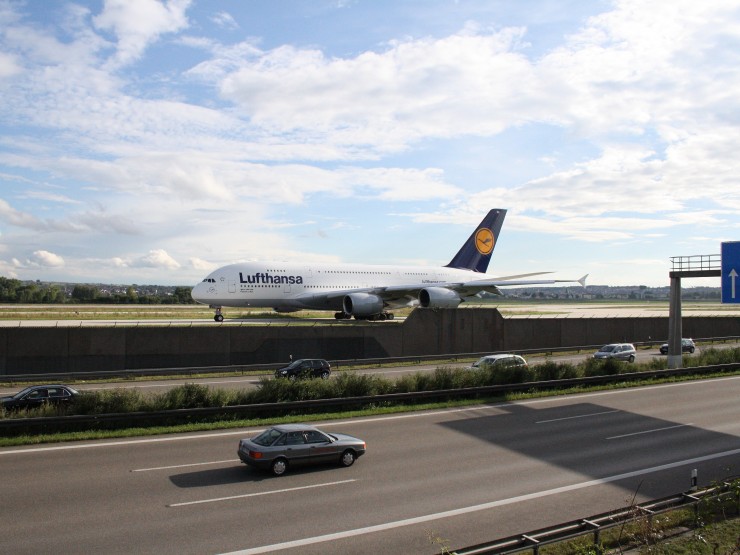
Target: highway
<point>465,475</point>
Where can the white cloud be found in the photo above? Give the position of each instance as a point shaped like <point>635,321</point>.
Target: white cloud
<point>17,218</point>
<point>225,20</point>
<point>201,265</point>
<point>157,259</point>
<point>8,65</point>
<point>138,23</point>
<point>46,258</point>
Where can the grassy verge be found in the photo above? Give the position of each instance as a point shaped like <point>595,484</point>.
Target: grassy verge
<point>712,528</point>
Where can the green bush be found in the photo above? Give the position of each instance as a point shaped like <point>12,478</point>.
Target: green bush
<point>711,356</point>
<point>608,367</point>
<point>550,370</point>
<point>499,375</point>
<point>109,401</point>
<point>188,396</point>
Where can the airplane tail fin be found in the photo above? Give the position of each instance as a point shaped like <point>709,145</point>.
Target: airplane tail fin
<point>476,253</point>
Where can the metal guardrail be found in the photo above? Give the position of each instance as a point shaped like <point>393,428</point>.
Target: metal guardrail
<point>696,263</point>
<point>532,541</point>
<point>45,424</point>
<point>336,364</point>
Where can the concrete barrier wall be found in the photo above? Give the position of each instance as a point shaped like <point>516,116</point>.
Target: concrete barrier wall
<point>26,350</point>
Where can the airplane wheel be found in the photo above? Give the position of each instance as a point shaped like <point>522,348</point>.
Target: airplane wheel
<point>219,317</point>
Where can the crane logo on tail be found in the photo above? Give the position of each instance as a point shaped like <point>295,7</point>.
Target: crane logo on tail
<point>484,241</point>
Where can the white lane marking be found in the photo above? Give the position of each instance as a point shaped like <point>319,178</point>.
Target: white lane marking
<point>182,465</point>
<point>578,416</point>
<point>651,431</point>
<point>354,421</point>
<point>217,499</point>
<point>473,508</point>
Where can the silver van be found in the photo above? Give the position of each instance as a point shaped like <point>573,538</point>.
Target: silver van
<point>618,351</point>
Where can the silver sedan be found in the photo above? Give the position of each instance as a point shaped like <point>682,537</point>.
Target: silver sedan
<point>286,445</point>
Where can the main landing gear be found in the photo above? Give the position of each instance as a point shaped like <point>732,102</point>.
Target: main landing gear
<point>371,317</point>
<point>218,317</point>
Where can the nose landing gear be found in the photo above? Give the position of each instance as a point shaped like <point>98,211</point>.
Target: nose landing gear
<point>218,317</point>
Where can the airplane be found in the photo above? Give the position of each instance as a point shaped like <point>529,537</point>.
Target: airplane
<point>364,291</point>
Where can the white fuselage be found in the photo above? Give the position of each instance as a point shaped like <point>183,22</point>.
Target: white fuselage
<point>286,286</point>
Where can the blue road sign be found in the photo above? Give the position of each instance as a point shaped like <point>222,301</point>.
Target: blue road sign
<point>731,272</point>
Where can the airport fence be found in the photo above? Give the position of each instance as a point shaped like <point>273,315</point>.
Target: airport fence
<point>269,368</point>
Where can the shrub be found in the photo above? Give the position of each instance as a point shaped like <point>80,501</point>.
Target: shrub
<point>188,396</point>
<point>109,401</point>
<point>608,367</point>
<point>710,356</point>
<point>555,371</point>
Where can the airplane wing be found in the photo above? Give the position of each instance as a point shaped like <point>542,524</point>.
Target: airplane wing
<point>408,294</point>
<point>468,288</point>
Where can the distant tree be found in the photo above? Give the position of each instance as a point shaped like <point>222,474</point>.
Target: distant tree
<point>131,295</point>
<point>84,293</point>
<point>182,295</point>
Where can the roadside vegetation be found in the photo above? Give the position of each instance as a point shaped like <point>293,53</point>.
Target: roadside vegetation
<point>712,527</point>
<point>345,384</point>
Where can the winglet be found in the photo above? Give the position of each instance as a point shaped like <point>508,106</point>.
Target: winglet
<point>476,253</point>
<point>582,281</point>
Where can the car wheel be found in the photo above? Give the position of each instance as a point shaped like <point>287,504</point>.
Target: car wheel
<point>691,350</point>
<point>348,458</point>
<point>325,375</point>
<point>279,466</point>
<point>632,358</point>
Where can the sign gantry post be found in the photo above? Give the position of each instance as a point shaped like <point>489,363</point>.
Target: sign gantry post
<point>703,265</point>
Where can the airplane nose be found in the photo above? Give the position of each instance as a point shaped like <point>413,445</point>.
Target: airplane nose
<point>197,293</point>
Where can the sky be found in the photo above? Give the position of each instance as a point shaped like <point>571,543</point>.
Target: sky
<point>152,141</point>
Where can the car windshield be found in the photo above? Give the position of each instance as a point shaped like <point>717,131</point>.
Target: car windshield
<point>607,348</point>
<point>267,437</point>
<point>295,363</point>
<point>22,392</point>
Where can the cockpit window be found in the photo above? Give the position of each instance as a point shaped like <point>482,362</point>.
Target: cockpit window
<point>209,280</point>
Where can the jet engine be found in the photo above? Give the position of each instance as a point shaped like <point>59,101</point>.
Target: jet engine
<point>362,304</point>
<point>438,297</point>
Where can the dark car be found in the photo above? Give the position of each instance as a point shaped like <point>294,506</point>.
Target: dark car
<point>687,346</point>
<point>305,368</point>
<point>38,395</point>
<point>617,351</point>
<point>286,445</point>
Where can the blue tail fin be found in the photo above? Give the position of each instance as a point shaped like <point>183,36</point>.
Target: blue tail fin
<point>476,253</point>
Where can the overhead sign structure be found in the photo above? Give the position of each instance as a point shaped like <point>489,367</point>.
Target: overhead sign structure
<point>731,272</point>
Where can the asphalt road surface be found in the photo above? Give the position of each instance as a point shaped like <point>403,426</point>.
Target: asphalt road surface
<point>466,476</point>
